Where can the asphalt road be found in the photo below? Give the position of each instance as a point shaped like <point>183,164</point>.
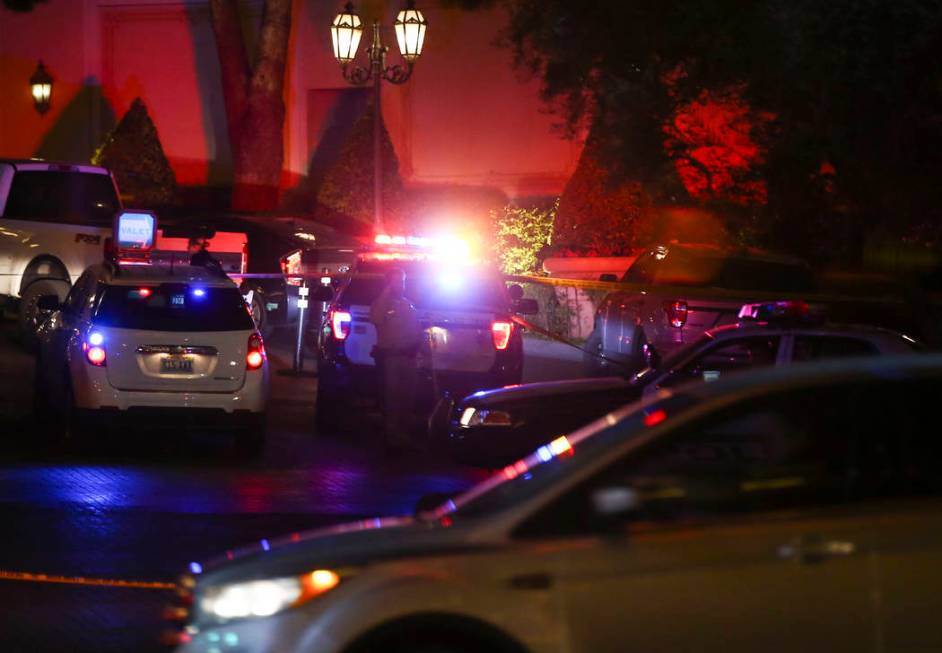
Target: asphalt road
<point>143,507</point>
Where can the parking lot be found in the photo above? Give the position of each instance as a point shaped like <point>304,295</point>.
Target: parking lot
<point>145,505</point>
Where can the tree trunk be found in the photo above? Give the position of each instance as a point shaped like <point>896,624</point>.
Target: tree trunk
<point>254,100</point>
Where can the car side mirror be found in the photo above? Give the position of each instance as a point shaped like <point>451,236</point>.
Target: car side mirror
<point>48,303</point>
<point>516,292</point>
<point>323,294</point>
<point>526,306</point>
<point>608,278</point>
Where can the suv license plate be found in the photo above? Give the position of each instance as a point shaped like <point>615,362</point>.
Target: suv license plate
<point>177,364</point>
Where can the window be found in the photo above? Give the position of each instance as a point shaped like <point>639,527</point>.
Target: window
<point>726,358</point>
<point>173,307</point>
<point>810,348</point>
<point>67,197</point>
<point>850,442</point>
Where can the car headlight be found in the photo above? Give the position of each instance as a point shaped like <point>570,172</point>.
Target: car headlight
<point>484,417</point>
<point>262,598</point>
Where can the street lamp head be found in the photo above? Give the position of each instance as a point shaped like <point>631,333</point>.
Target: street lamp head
<point>345,32</point>
<point>410,32</point>
<point>40,85</point>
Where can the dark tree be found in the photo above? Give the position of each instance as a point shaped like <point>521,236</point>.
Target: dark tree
<point>347,187</point>
<point>132,151</point>
<point>253,90</point>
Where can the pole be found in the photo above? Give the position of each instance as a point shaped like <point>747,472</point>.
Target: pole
<point>377,61</point>
<point>299,344</point>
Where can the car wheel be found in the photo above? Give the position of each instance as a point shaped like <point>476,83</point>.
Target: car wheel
<point>592,363</point>
<point>250,441</point>
<point>30,317</point>
<point>260,315</point>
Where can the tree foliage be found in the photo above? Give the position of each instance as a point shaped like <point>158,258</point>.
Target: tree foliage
<point>132,151</point>
<point>768,93</point>
<point>348,184</point>
<point>522,233</point>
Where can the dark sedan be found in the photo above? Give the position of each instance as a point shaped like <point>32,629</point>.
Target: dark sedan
<point>495,427</point>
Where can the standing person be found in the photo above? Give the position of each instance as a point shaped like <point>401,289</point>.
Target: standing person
<point>198,249</point>
<point>398,335</point>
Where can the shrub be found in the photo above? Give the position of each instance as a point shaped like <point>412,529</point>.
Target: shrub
<point>132,151</point>
<point>521,235</point>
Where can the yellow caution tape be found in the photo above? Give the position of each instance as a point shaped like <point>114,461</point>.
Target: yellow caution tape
<point>25,576</point>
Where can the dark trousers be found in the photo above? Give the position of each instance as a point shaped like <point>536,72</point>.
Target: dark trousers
<point>399,375</point>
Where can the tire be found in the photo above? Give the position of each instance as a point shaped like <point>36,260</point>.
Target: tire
<point>260,315</point>
<point>29,317</point>
<point>250,441</point>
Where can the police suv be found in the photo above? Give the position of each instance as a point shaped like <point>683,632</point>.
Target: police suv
<point>465,309</point>
<point>135,343</point>
<point>54,219</point>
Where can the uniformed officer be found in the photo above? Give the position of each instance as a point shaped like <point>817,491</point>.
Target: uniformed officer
<point>198,249</point>
<point>398,335</point>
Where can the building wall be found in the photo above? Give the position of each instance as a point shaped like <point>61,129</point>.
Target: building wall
<point>464,119</point>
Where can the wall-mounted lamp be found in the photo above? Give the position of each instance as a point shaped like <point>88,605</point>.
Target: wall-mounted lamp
<point>40,85</point>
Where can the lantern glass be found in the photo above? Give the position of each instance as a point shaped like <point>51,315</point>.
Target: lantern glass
<point>410,32</point>
<point>345,32</point>
<point>40,86</point>
<point>41,92</point>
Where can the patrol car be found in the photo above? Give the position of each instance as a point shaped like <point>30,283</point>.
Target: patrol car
<point>135,343</point>
<point>54,220</point>
<point>494,427</point>
<point>464,307</point>
<point>791,509</point>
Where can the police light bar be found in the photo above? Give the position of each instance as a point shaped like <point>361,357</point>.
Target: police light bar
<point>135,233</point>
<point>783,311</point>
<point>442,247</point>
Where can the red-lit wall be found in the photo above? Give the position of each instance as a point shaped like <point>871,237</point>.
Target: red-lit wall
<point>464,119</point>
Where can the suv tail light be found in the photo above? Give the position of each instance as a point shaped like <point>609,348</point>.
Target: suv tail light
<point>255,352</point>
<point>340,324</point>
<point>94,348</point>
<point>244,262</point>
<point>501,332</point>
<point>676,313</point>
<point>291,265</point>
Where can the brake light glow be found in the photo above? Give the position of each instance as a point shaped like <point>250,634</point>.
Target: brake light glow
<point>501,331</point>
<point>655,418</point>
<point>676,313</point>
<point>255,352</point>
<point>244,261</point>
<point>96,355</point>
<point>340,324</point>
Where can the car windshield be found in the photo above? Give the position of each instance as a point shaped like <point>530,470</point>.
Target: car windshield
<point>172,307</point>
<point>434,286</point>
<point>559,458</point>
<point>73,197</point>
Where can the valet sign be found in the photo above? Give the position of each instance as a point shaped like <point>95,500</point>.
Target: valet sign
<point>135,230</point>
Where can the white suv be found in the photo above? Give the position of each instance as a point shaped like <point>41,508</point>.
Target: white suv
<point>138,343</point>
<point>54,219</point>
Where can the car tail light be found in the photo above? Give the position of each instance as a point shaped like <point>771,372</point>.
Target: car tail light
<point>244,262</point>
<point>255,352</point>
<point>340,324</point>
<point>501,332</point>
<point>676,313</point>
<point>291,265</point>
<point>94,348</point>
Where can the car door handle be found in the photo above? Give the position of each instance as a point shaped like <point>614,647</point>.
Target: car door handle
<point>811,550</point>
<point>536,581</point>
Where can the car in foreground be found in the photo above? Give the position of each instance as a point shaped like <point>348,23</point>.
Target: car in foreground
<point>495,427</point>
<point>464,307</point>
<point>790,509</point>
<point>138,344</point>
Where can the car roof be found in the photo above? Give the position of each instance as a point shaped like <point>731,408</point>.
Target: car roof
<point>39,164</point>
<point>723,251</point>
<point>131,275</point>
<point>741,329</point>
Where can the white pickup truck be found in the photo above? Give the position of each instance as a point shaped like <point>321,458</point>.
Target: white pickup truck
<point>54,219</point>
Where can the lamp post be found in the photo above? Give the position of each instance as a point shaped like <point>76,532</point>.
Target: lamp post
<point>346,32</point>
<point>40,85</point>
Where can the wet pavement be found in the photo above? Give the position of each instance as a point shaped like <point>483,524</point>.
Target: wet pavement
<point>144,506</point>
